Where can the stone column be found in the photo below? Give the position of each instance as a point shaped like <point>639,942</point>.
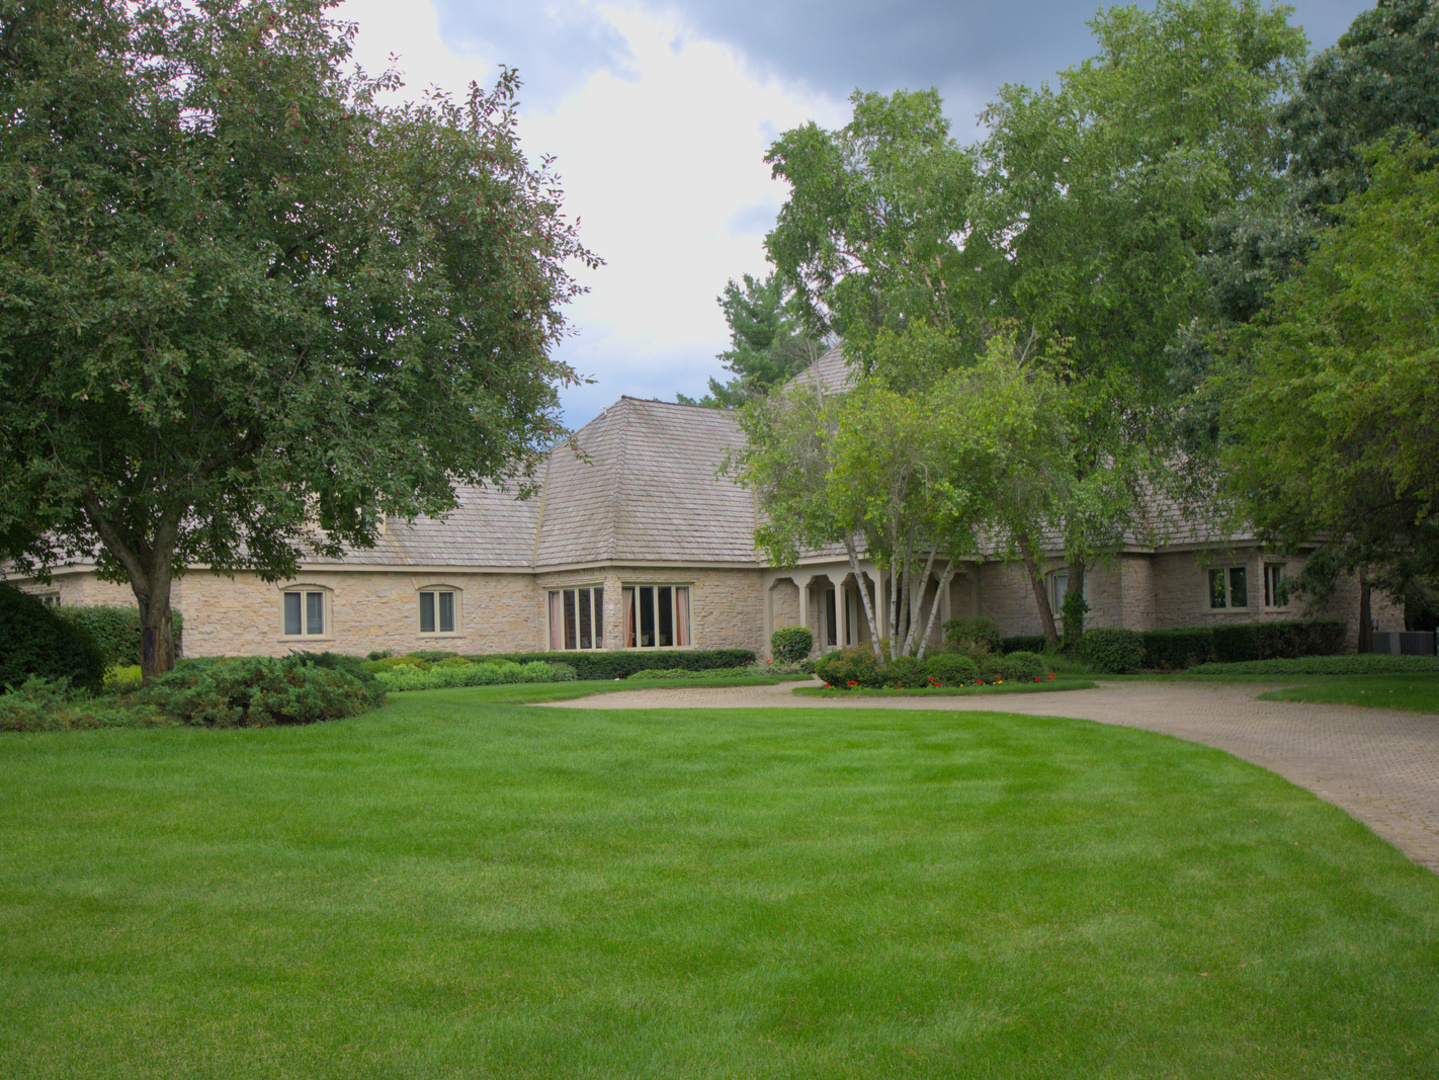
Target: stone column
<point>614,611</point>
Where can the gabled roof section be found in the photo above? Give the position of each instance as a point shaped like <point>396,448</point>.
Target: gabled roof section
<point>647,490</point>
<point>830,374</point>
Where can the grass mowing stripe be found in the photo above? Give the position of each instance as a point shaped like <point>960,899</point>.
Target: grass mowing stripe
<point>455,886</point>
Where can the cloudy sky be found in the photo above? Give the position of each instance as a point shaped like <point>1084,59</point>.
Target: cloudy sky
<point>660,113</point>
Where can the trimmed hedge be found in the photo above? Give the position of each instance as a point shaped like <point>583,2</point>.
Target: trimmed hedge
<point>1181,647</point>
<point>116,630</point>
<point>1354,664</point>
<point>1112,650</point>
<point>603,664</point>
<point>1232,643</point>
<point>34,640</point>
<point>456,672</point>
<point>951,669</point>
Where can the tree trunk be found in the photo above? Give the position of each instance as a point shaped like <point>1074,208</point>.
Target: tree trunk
<point>1366,617</point>
<point>1041,595</point>
<point>944,581</point>
<point>1076,588</point>
<point>849,549</point>
<point>157,641</point>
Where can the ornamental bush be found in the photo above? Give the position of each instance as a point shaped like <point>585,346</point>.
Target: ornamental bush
<point>791,644</point>
<point>856,664</point>
<point>1035,643</point>
<point>34,640</point>
<point>951,669</point>
<point>1025,666</point>
<point>1113,650</point>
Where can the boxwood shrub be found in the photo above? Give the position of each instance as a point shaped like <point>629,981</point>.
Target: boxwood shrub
<point>951,669</point>
<point>1113,650</point>
<point>791,644</point>
<point>1179,647</point>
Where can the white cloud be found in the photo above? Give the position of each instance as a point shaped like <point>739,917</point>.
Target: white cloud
<point>664,167</point>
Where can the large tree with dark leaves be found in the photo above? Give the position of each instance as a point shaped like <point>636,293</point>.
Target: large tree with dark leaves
<point>244,308</point>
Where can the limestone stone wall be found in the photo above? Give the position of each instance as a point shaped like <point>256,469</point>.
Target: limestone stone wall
<point>366,610</point>
<point>81,588</point>
<point>1006,597</point>
<point>784,607</point>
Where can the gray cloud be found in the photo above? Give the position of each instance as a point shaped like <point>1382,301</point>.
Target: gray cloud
<point>970,47</point>
<point>967,48</point>
<point>555,47</point>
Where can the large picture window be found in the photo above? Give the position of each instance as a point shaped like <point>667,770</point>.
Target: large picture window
<point>656,616</point>
<point>306,613</point>
<point>438,609</point>
<point>577,618</point>
<point>1229,588</point>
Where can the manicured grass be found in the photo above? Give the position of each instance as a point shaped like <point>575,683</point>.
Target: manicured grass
<point>1411,693</point>
<point>458,887</point>
<point>1042,687</point>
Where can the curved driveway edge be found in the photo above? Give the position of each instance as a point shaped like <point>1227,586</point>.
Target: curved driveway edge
<point>1380,766</point>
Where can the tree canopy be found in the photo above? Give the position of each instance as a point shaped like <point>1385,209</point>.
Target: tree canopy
<point>1333,402</point>
<point>767,345</point>
<point>245,310</point>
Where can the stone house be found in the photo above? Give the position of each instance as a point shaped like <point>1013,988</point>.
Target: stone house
<point>641,543</point>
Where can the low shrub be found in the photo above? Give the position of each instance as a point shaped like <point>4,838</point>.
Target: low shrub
<point>905,673</point>
<point>1024,666</point>
<point>1112,650</point>
<point>1302,637</point>
<point>446,673</point>
<point>40,704</point>
<point>34,640</point>
<point>951,669</point>
<point>856,665</point>
<point>560,671</point>
<point>620,664</point>
<point>676,674</point>
<point>791,644</point>
<point>262,691</point>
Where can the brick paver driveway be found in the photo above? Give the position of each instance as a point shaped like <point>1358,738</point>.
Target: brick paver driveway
<point>1380,766</point>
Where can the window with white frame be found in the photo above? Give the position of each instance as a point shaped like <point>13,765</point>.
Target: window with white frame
<point>1275,595</point>
<point>577,618</point>
<point>439,611</point>
<point>1229,587</point>
<point>305,611</point>
<point>655,616</point>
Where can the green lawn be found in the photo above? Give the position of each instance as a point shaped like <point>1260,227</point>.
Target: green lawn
<point>457,887</point>
<point>1416,692</point>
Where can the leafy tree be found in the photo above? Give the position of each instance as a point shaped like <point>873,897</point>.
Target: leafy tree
<point>873,234</point>
<point>1333,399</point>
<point>246,310</point>
<point>767,347</point>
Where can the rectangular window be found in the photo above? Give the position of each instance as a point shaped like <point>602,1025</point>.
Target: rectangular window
<point>1274,585</point>
<point>304,613</point>
<point>577,618</point>
<point>437,611</point>
<point>656,616</point>
<point>1229,588</point>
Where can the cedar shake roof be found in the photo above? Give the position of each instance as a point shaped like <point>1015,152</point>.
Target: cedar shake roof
<point>649,491</point>
<point>831,373</point>
<point>643,489</point>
